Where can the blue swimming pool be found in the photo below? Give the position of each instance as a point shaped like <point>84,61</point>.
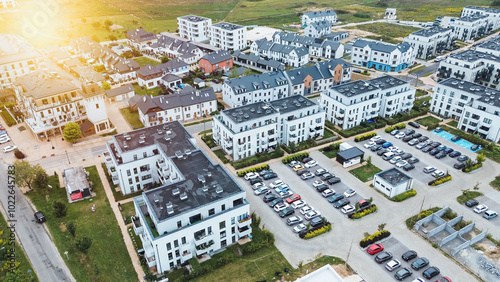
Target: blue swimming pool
<point>462,143</point>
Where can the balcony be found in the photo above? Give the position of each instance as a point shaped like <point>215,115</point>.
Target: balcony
<point>138,228</point>
<point>203,239</point>
<point>244,222</point>
<point>244,231</point>
<point>186,256</point>
<point>204,248</point>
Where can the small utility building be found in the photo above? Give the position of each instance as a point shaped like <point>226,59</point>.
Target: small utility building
<point>350,157</point>
<point>392,182</point>
<point>77,184</point>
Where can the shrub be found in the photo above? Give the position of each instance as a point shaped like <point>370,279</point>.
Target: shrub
<point>19,155</point>
<point>362,128</point>
<point>397,126</point>
<point>440,180</point>
<point>332,147</point>
<point>317,232</point>
<point>410,222</point>
<point>403,196</point>
<point>253,169</point>
<point>364,137</point>
<point>296,157</point>
<point>379,235</point>
<point>474,167</point>
<point>432,126</point>
<point>8,118</point>
<point>60,209</point>
<point>359,214</point>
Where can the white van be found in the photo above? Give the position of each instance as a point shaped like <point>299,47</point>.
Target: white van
<point>388,156</point>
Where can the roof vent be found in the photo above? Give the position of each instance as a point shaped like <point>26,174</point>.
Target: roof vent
<point>170,210</point>
<point>176,192</point>
<point>184,196</point>
<point>125,145</point>
<point>219,189</point>
<point>169,205</point>
<point>204,188</point>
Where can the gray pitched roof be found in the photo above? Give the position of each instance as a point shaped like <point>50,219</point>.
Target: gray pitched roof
<point>321,14</point>
<point>167,67</point>
<point>120,90</point>
<point>217,57</point>
<point>381,46</point>
<point>321,25</point>
<point>488,10</point>
<point>186,97</point>
<point>258,60</point>
<point>306,41</point>
<point>263,81</point>
<point>263,44</point>
<point>175,44</point>
<point>140,35</point>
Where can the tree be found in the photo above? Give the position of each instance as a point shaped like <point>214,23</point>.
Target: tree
<point>96,24</point>
<point>26,173</point>
<point>108,24</point>
<point>469,164</point>
<point>112,37</point>
<point>381,227</point>
<point>72,132</point>
<point>165,59</point>
<point>60,209</point>
<point>247,72</point>
<point>369,161</point>
<point>105,85</point>
<point>41,179</point>
<point>71,226</point>
<point>234,73</point>
<point>83,244</point>
<point>480,158</point>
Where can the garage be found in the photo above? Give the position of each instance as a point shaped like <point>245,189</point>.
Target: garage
<point>350,157</point>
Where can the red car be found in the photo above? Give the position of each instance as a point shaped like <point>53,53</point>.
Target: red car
<point>444,279</point>
<point>375,248</point>
<point>293,198</point>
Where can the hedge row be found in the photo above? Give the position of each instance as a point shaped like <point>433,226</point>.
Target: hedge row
<point>440,180</point>
<point>364,137</point>
<point>474,167</point>
<point>258,158</point>
<point>296,157</point>
<point>400,117</point>
<point>326,228</point>
<point>332,147</point>
<point>377,236</point>
<point>403,196</point>
<point>466,136</point>
<point>360,214</point>
<point>253,169</point>
<point>397,126</point>
<point>9,120</point>
<point>362,128</point>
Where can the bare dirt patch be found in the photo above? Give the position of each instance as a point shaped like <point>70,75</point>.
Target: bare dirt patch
<point>342,270</point>
<point>63,228</point>
<point>358,32</point>
<point>490,250</point>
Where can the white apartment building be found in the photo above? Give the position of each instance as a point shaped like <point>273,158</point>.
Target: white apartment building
<point>382,56</point>
<point>259,127</point>
<point>317,16</point>
<point>467,28</point>
<point>475,106</point>
<point>430,42</point>
<point>493,15</point>
<point>289,55</point>
<point>255,88</point>
<point>349,104</point>
<point>8,3</point>
<point>323,48</point>
<point>318,29</point>
<point>228,36</point>
<point>490,46</point>
<point>194,28</point>
<point>17,58</point>
<point>472,66</point>
<point>183,104</point>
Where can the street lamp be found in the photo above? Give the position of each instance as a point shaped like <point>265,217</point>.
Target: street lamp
<point>67,156</point>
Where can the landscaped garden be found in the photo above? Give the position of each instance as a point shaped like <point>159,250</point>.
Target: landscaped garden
<point>151,92</point>
<point>142,61</point>
<point>132,118</point>
<point>428,121</point>
<point>366,172</point>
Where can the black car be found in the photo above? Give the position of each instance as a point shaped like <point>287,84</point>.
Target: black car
<point>269,176</point>
<point>322,187</point>
<point>376,147</point>
<point>408,167</point>
<point>403,273</point>
<point>434,152</point>
<point>417,135</point>
<point>438,129</point>
<point>414,124</point>
<point>384,256</point>
<point>306,160</point>
<point>255,180</point>
<point>454,154</point>
<point>448,150</point>
<point>435,144</point>
<point>455,138</point>
<point>471,203</point>
<point>420,263</point>
<point>287,211</point>
<point>462,158</point>
<point>413,160</point>
<point>475,147</point>
<point>275,202</point>
<point>406,156</point>
<point>423,138</point>
<point>39,217</point>
<point>380,141</point>
<point>431,272</point>
<point>440,155</point>
<point>409,255</point>
<point>381,152</point>
<point>409,132</point>
<point>336,197</point>
<point>270,197</point>
<point>427,149</point>
<point>459,165</point>
<point>327,176</point>
<point>340,203</point>
<point>265,171</point>
<point>333,180</point>
<point>302,171</point>
<point>407,138</point>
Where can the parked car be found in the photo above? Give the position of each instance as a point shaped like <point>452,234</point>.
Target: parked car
<point>409,255</point>
<point>327,176</point>
<point>438,129</point>
<point>369,144</point>
<point>447,151</point>
<point>312,163</point>
<point>423,138</point>
<point>480,208</point>
<point>39,217</point>
<point>438,173</point>
<point>420,263</point>
<point>322,187</point>
<point>386,145</point>
<point>406,156</point>
<point>276,183</point>
<point>421,145</point>
<point>302,171</point>
<point>409,131</point>
<point>399,135</point>
<point>282,188</point>
<point>407,138</point>
<point>431,272</point>
<point>440,155</point>
<point>307,175</point>
<point>403,273</point>
<point>435,144</point>
<point>381,151</point>
<point>306,209</point>
<point>413,142</point>
<point>333,180</point>
<point>429,169</point>
<point>265,171</point>
<point>317,221</point>
<point>298,167</point>
<point>393,264</point>
<point>380,141</point>
<point>387,156</point>
<point>489,214</point>
<point>298,204</point>
<point>394,132</point>
<point>408,167</point>
<point>348,209</point>
<point>349,193</point>
<point>401,163</point>
<point>293,220</point>
<point>328,193</point>
<point>427,148</point>
<point>340,203</point>
<point>320,171</point>
<point>280,206</point>
<point>258,185</point>
<point>375,248</point>
<point>414,124</point>
<point>255,180</point>
<point>316,183</point>
<point>363,203</point>
<point>293,198</point>
<point>417,135</point>
<point>273,203</point>
<point>4,139</point>
<point>454,154</point>
<point>441,147</point>
<point>444,279</point>
<point>375,148</point>
<point>306,160</point>
<point>475,147</point>
<point>286,212</point>
<point>269,176</point>
<point>434,152</point>
<point>335,198</point>
<point>312,214</point>
<point>459,165</point>
<point>284,194</point>
<point>413,160</point>
<point>293,163</point>
<point>261,190</point>
<point>375,138</point>
<point>383,256</point>
<point>462,158</point>
<point>299,228</point>
<point>269,198</point>
<point>399,152</point>
<point>395,159</point>
<point>251,175</point>
<point>472,203</point>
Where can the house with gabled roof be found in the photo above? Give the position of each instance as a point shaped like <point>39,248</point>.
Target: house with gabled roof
<point>216,61</point>
<point>175,48</point>
<point>149,76</point>
<point>317,47</point>
<point>318,29</point>
<point>287,54</point>
<point>382,56</point>
<point>317,16</point>
<point>140,38</point>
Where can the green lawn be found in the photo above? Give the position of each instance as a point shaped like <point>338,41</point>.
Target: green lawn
<point>496,183</point>
<point>132,118</point>
<point>327,134</point>
<point>468,195</point>
<point>107,258</point>
<point>366,172</point>
<point>20,271</point>
<point>453,123</point>
<point>128,210</point>
<point>420,92</point>
<point>221,155</point>
<point>417,69</point>
<point>151,92</point>
<point>428,120</point>
<point>145,60</point>
<point>386,29</point>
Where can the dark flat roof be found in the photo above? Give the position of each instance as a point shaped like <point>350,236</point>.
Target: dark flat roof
<point>354,88</point>
<point>193,167</point>
<point>394,176</point>
<point>351,153</point>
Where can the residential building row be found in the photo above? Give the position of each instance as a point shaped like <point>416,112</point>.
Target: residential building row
<point>167,74</point>
<point>219,61</point>
<point>382,56</point>
<point>189,207</point>
<point>8,3</point>
<point>259,127</point>
<point>175,48</point>
<point>274,85</point>
<point>474,106</point>
<point>348,105</point>
<point>318,16</point>
<point>257,62</point>
<point>323,48</point>
<point>287,54</point>
<point>183,104</point>
<point>140,38</point>
<point>467,28</point>
<point>318,29</point>
<point>492,14</point>
<point>430,42</point>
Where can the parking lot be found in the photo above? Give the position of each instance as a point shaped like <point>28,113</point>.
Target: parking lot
<point>492,205</point>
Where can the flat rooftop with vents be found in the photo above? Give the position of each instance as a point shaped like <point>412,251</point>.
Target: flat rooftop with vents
<point>227,26</point>
<point>203,182</point>
<point>394,176</point>
<point>354,88</point>
<point>193,18</point>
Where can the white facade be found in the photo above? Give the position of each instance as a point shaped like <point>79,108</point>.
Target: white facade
<point>430,42</point>
<point>392,182</point>
<point>390,14</point>
<point>258,127</point>
<point>176,48</point>
<point>469,27</point>
<point>317,16</point>
<point>8,3</point>
<point>349,104</point>
<point>323,48</point>
<point>382,56</point>
<point>290,55</point>
<point>228,36</point>
<point>318,29</point>
<point>493,15</point>
<point>194,28</point>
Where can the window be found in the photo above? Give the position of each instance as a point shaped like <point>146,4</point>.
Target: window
<point>222,225</point>
<point>223,234</point>
<point>232,220</point>
<point>135,170</point>
<point>130,181</point>
<point>183,240</point>
<point>179,224</point>
<point>487,120</point>
<point>223,243</point>
<point>177,253</point>
<point>128,172</point>
<point>233,230</point>
<point>170,256</point>
<point>97,106</point>
<point>169,246</point>
<point>211,212</point>
<point>176,243</point>
<point>223,207</point>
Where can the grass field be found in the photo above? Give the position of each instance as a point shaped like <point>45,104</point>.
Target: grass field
<point>426,121</point>
<point>468,195</point>
<point>107,258</point>
<point>145,60</point>
<point>132,118</point>
<point>387,29</point>
<point>151,92</point>
<point>366,172</point>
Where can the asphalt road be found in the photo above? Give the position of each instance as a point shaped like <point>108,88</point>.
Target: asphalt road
<point>428,69</point>
<point>43,254</point>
